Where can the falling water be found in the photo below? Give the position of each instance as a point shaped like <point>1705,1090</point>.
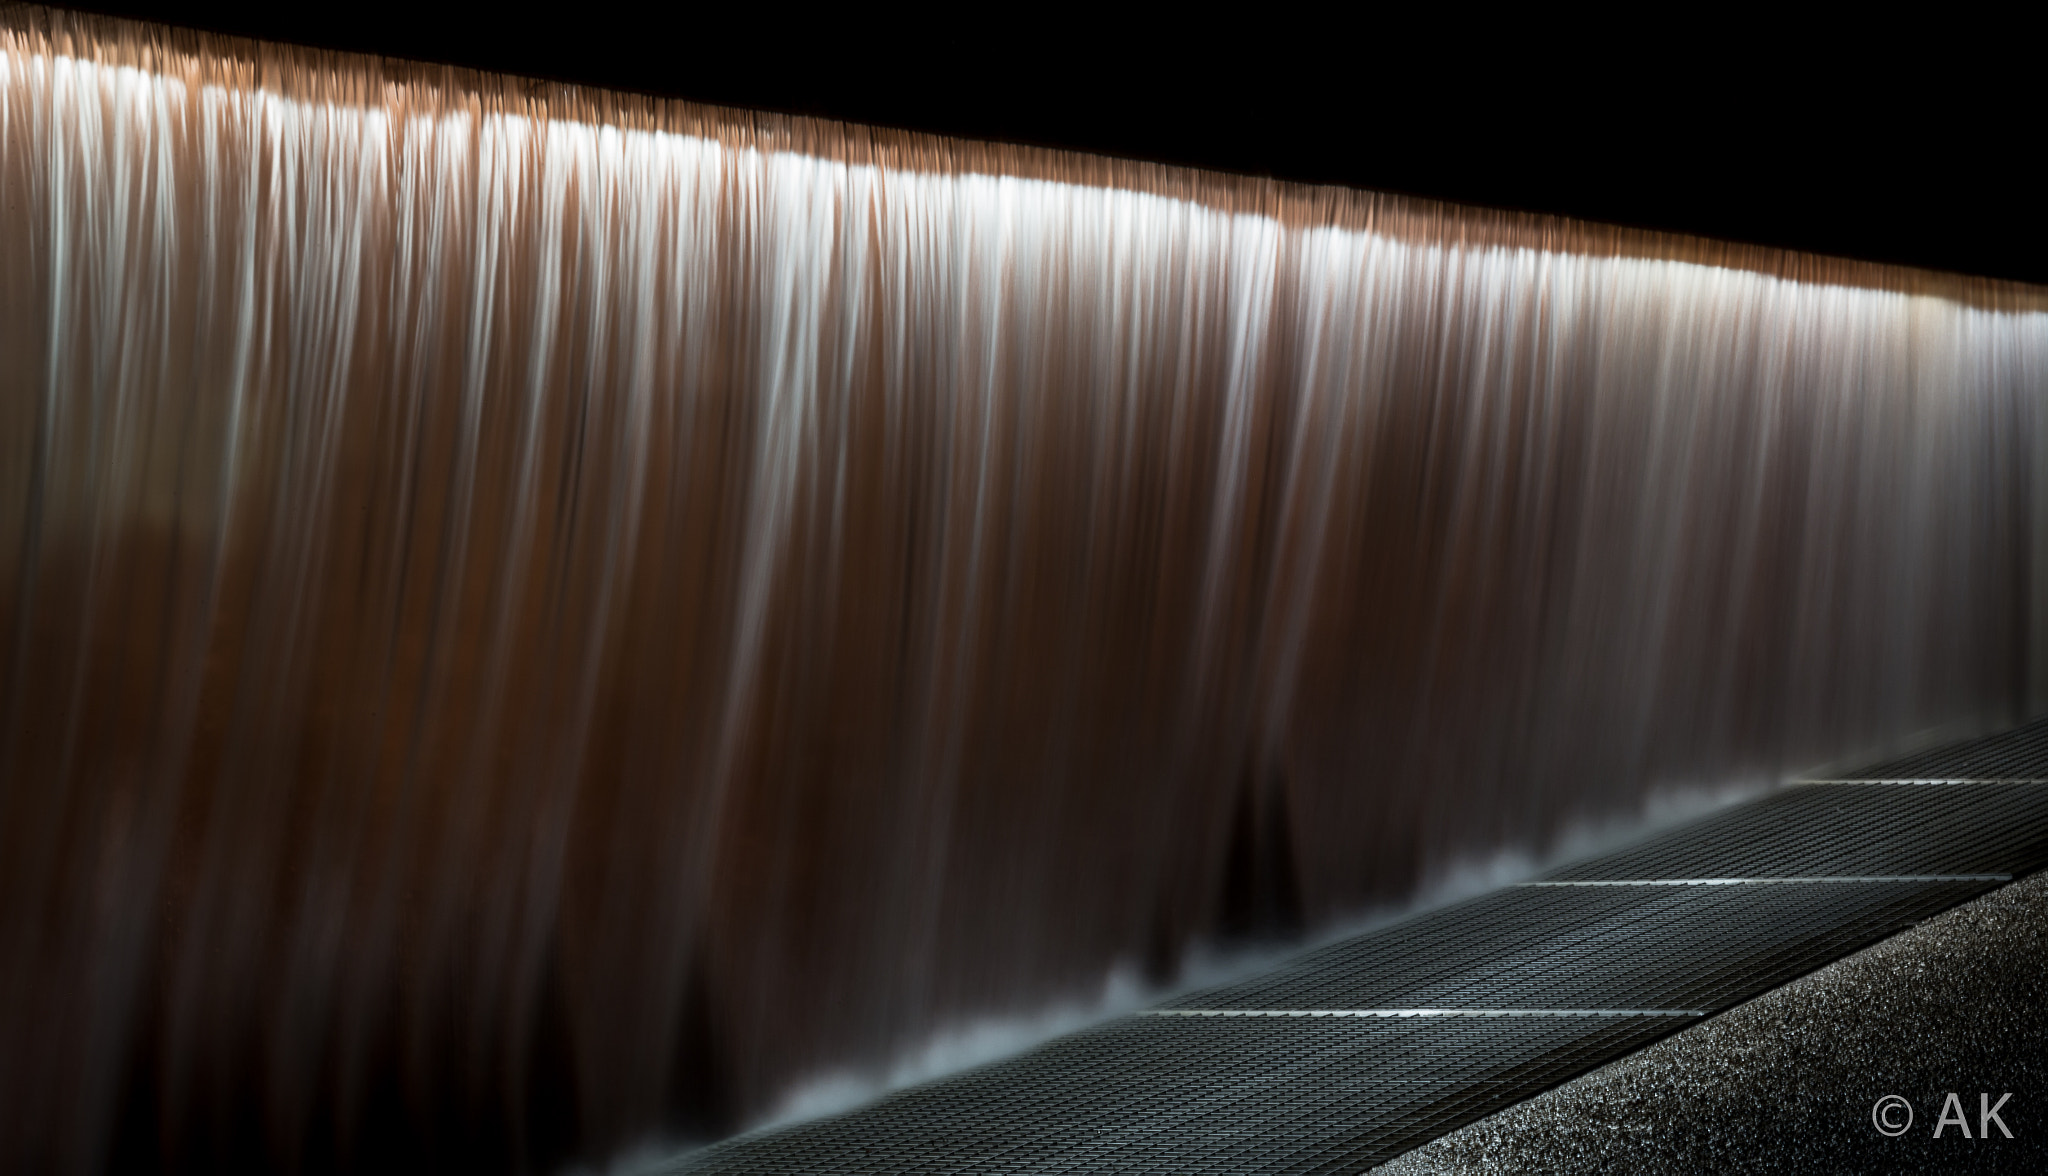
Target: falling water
<point>534,618</point>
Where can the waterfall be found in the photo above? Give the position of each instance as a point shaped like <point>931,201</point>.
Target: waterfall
<point>533,617</point>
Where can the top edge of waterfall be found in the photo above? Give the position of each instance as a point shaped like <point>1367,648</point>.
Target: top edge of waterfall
<point>310,74</point>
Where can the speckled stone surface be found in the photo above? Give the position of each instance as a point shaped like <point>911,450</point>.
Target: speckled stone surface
<point>1787,1082</point>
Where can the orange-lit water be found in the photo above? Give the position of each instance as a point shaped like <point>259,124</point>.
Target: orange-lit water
<point>531,618</point>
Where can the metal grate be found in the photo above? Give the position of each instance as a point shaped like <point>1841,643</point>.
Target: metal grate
<point>1160,1094</point>
<point>2018,754</point>
<point>1848,829</point>
<point>1658,947</point>
<point>1354,1052</point>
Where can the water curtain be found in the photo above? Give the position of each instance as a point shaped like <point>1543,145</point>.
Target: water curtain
<point>534,619</point>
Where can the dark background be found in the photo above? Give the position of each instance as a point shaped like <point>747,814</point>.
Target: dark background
<point>1884,137</point>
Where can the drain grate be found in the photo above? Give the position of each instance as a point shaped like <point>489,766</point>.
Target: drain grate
<point>1650,947</point>
<point>1859,830</point>
<point>2018,754</point>
<point>1218,1094</point>
<point>1357,1051</point>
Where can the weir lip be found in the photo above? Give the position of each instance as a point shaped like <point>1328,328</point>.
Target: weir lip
<point>1357,1051</point>
<point>313,74</point>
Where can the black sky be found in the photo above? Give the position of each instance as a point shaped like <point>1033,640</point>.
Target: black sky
<point>1886,138</point>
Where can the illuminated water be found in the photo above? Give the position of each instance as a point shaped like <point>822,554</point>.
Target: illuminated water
<point>535,619</point>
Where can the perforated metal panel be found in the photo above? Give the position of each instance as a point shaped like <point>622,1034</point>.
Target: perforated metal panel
<point>1354,1052</point>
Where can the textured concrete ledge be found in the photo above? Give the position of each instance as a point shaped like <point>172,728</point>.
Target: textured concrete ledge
<point>1787,1082</point>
